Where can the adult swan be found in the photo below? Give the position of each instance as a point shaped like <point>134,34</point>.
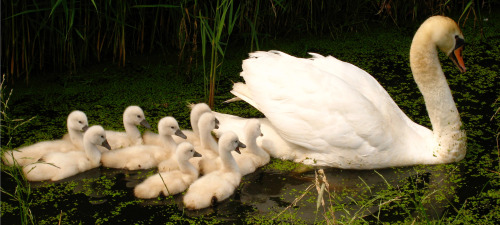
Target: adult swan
<point>322,111</point>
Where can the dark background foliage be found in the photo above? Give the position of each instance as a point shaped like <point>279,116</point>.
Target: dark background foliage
<point>64,35</point>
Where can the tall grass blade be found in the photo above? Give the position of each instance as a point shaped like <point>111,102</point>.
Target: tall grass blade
<point>22,192</point>
<point>55,6</point>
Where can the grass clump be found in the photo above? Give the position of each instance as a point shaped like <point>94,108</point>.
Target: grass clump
<point>21,194</point>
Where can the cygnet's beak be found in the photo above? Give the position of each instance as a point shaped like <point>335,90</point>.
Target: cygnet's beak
<point>217,123</point>
<point>106,144</point>
<point>240,145</point>
<point>180,134</point>
<point>196,154</point>
<point>85,128</point>
<point>456,55</point>
<point>145,124</point>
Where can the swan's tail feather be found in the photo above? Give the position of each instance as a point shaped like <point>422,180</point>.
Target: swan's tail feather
<point>240,90</point>
<point>272,53</point>
<point>235,99</point>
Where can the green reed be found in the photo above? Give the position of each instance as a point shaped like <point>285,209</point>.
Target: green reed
<point>22,192</point>
<point>215,32</point>
<point>64,35</point>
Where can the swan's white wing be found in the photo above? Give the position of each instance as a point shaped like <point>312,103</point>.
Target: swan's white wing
<point>312,105</point>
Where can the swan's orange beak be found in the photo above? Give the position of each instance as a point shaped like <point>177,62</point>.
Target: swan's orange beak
<point>458,60</point>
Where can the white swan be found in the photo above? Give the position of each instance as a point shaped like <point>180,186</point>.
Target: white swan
<point>218,185</point>
<point>133,116</point>
<point>322,111</point>
<point>77,123</point>
<point>193,136</point>
<point>173,182</point>
<point>59,165</point>
<point>145,156</point>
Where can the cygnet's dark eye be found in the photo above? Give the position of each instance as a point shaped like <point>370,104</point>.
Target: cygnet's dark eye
<point>172,127</point>
<point>102,136</point>
<point>80,122</point>
<point>138,116</point>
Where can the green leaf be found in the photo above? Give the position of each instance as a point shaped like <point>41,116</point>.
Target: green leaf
<point>55,6</point>
<point>79,34</point>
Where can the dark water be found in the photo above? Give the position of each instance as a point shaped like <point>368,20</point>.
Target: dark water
<point>105,195</point>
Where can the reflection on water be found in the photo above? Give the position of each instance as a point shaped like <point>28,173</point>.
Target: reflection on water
<point>106,195</point>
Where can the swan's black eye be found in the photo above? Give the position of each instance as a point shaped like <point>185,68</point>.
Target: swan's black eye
<point>172,127</point>
<point>102,136</point>
<point>138,116</point>
<point>80,122</point>
<point>459,42</point>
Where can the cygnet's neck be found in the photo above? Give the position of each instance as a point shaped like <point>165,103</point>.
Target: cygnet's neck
<point>186,167</point>
<point>444,116</point>
<point>228,162</point>
<point>194,125</point>
<point>207,141</point>
<point>133,132</point>
<point>252,147</point>
<point>93,153</point>
<point>168,142</point>
<point>76,137</point>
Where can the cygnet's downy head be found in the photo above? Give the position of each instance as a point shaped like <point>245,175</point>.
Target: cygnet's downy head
<point>229,141</point>
<point>134,115</point>
<point>252,128</point>
<point>208,121</point>
<point>97,136</point>
<point>77,120</point>
<point>185,151</point>
<point>168,126</point>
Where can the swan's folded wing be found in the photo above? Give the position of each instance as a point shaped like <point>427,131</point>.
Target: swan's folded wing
<point>312,107</point>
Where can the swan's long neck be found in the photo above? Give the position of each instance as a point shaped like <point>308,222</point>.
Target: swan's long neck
<point>93,153</point>
<point>133,132</point>
<point>450,139</point>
